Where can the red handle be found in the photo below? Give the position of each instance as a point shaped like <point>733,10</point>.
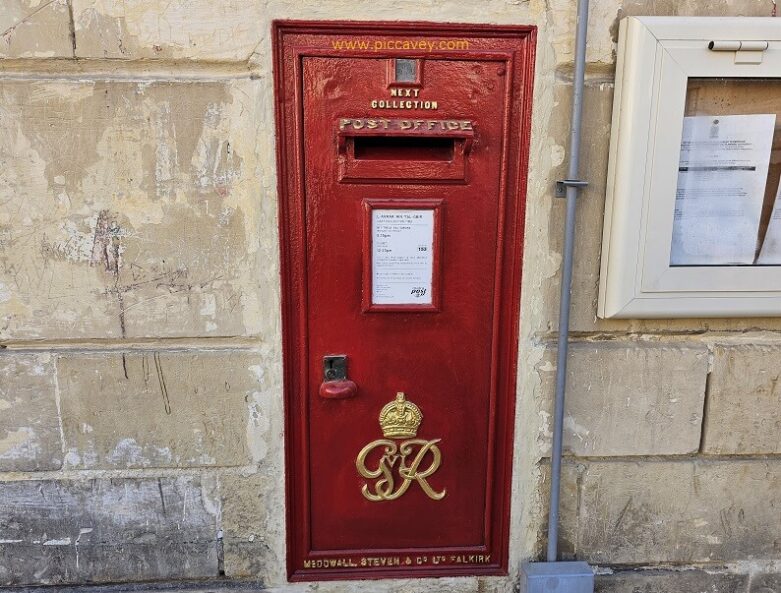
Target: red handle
<point>340,389</point>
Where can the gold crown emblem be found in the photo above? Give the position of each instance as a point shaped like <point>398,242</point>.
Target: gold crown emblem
<point>400,419</point>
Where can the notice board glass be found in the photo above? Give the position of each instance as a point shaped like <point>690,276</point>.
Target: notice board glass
<point>727,207</point>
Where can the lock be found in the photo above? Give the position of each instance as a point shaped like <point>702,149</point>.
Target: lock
<point>335,383</point>
<point>334,367</point>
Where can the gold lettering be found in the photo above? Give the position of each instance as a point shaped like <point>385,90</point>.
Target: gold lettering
<point>410,104</point>
<point>393,561</point>
<point>385,486</point>
<point>404,92</point>
<point>405,124</point>
<point>333,563</point>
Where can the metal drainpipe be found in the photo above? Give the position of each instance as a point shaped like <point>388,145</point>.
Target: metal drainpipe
<point>573,186</point>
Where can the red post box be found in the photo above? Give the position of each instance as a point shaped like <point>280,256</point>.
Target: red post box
<point>402,159</point>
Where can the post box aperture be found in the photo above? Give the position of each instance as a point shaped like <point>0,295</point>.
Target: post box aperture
<point>402,181</point>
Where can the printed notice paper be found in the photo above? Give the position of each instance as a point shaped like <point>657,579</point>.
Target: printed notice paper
<point>771,246</point>
<point>721,185</point>
<point>402,256</point>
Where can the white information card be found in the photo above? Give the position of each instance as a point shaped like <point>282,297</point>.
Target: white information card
<point>402,256</point>
<point>721,186</point>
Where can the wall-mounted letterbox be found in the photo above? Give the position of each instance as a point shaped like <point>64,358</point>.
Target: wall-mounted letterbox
<point>402,160</point>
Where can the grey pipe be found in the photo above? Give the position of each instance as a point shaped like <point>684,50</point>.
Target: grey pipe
<point>566,278</point>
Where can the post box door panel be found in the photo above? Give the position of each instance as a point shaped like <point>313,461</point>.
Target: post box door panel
<point>400,234</point>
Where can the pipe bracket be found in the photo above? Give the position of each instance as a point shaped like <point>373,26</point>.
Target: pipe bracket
<point>563,184</point>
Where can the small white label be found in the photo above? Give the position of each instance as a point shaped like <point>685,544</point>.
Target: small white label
<point>402,256</point>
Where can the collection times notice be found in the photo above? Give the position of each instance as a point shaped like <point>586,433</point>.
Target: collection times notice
<point>402,256</point>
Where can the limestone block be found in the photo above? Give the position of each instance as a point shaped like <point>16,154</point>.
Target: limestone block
<point>133,210</point>
<point>597,110</point>
<point>253,525</point>
<point>191,29</point>
<point>604,16</point>
<point>35,29</point>
<point>29,423</point>
<point>234,29</point>
<point>107,530</point>
<point>161,409</point>
<point>679,512</point>
<point>568,507</point>
<point>666,581</point>
<point>630,399</point>
<point>765,583</point>
<point>217,585</point>
<point>743,413</point>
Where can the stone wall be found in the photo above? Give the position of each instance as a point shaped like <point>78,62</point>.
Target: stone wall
<point>141,413</point>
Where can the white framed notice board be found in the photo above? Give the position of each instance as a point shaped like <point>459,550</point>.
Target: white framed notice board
<point>693,207</point>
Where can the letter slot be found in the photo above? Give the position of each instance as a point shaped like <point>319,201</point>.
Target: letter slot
<point>404,150</point>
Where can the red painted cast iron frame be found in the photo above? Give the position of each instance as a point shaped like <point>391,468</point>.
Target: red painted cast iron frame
<point>515,156</point>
